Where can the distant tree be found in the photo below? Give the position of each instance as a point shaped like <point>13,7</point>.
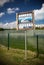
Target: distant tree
<point>1,29</point>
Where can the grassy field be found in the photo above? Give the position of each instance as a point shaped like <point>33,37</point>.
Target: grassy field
<point>17,57</point>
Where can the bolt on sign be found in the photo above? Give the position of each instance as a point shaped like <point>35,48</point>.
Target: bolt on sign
<point>25,20</point>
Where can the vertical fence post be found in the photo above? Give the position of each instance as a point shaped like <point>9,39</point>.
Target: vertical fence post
<point>25,47</point>
<point>8,41</point>
<point>37,47</point>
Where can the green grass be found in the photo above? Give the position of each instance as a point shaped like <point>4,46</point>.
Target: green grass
<point>17,57</point>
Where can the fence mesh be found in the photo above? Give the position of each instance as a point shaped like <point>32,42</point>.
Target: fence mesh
<point>17,40</point>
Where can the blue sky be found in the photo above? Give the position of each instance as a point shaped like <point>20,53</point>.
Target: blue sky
<point>9,8</point>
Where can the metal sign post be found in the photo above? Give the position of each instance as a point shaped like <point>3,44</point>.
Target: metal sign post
<point>25,46</point>
<point>25,21</point>
<point>8,41</point>
<point>37,47</point>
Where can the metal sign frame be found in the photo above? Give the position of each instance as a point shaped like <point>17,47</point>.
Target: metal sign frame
<point>17,20</point>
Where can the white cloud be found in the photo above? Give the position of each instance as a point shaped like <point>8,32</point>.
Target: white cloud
<point>10,25</point>
<point>12,10</point>
<point>3,1</point>
<point>1,14</point>
<point>16,9</point>
<point>39,14</point>
<point>1,25</point>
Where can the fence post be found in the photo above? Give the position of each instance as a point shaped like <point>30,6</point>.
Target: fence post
<point>8,41</point>
<point>25,47</point>
<point>37,47</point>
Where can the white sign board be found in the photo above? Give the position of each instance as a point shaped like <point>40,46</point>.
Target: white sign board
<point>25,20</point>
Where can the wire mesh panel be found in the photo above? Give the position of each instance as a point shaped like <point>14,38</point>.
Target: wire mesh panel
<point>0,37</point>
<point>31,41</point>
<point>17,40</point>
<point>41,43</point>
<point>3,38</point>
<point>40,34</point>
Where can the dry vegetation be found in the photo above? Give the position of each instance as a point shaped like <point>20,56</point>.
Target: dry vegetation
<point>17,57</point>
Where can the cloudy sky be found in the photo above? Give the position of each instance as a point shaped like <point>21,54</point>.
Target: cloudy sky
<point>9,8</point>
